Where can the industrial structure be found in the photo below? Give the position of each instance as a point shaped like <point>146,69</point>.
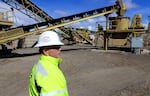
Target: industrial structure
<point>117,28</point>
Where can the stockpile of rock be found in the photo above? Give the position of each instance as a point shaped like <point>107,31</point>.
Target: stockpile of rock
<point>147,40</point>
<point>30,40</point>
<point>146,44</point>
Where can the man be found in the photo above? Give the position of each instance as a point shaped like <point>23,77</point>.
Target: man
<point>46,78</point>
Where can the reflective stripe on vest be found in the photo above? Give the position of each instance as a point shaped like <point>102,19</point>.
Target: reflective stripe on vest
<point>40,69</point>
<point>54,93</point>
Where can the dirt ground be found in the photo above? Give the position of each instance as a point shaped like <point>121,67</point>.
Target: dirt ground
<point>89,72</point>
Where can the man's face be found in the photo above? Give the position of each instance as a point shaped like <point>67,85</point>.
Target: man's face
<point>54,51</point>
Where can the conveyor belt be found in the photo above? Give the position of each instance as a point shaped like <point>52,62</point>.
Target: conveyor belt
<point>55,23</point>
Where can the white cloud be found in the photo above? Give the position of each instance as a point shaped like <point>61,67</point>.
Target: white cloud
<point>4,5</point>
<point>90,24</point>
<point>112,1</point>
<point>145,25</point>
<point>21,19</point>
<point>60,12</point>
<point>90,28</point>
<point>91,21</point>
<point>130,4</point>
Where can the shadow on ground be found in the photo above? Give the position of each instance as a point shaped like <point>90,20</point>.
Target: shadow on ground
<point>11,54</point>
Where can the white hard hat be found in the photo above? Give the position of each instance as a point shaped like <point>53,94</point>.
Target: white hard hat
<point>48,38</point>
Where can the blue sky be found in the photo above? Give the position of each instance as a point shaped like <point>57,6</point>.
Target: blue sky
<point>60,8</point>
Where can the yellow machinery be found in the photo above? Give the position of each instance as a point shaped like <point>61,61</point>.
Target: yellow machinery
<point>6,21</point>
<point>81,35</point>
<point>39,15</point>
<point>118,30</point>
<point>6,18</point>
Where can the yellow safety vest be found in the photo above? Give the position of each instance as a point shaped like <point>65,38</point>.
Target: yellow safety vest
<point>47,79</point>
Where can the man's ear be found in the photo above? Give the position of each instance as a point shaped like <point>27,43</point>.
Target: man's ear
<point>45,51</point>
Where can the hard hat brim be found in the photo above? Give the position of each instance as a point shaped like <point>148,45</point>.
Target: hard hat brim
<point>42,45</point>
